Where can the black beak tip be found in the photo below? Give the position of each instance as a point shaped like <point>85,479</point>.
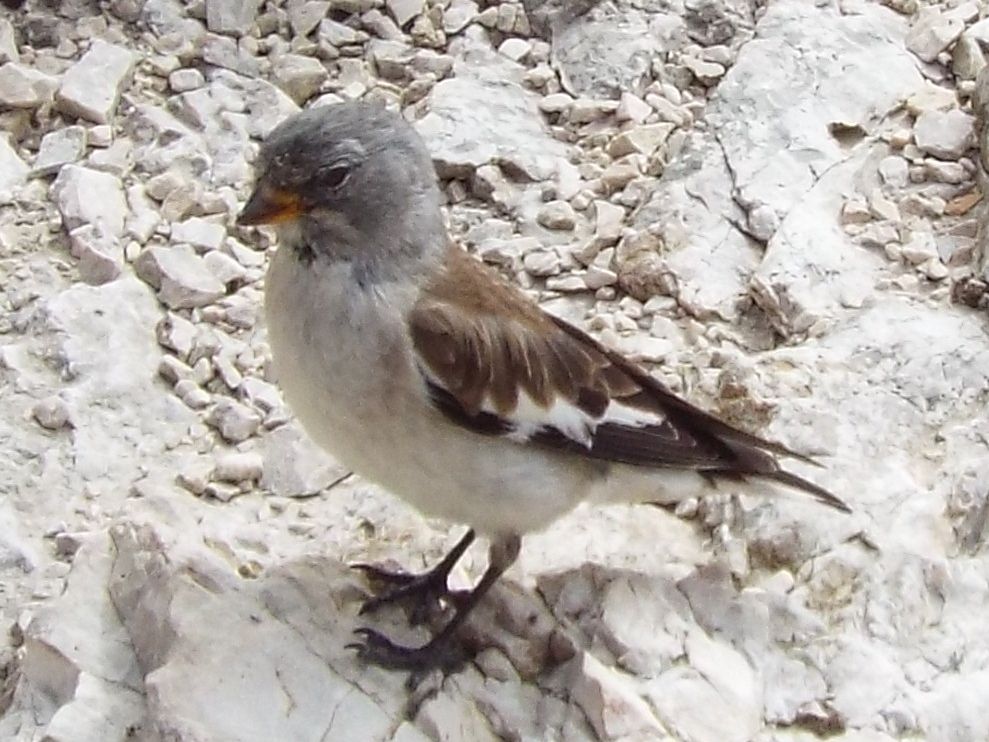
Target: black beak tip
<point>248,214</point>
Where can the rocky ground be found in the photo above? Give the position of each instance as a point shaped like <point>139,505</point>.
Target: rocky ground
<point>772,204</point>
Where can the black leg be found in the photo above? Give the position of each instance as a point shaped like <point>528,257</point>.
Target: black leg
<point>377,649</point>
<point>428,587</point>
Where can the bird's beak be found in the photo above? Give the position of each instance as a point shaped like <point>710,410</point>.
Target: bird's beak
<point>270,205</point>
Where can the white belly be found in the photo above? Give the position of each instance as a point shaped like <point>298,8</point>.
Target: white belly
<point>344,363</point>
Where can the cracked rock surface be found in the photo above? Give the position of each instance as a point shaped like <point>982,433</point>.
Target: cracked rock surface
<point>775,206</point>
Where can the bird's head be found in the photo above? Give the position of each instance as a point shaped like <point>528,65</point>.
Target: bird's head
<point>345,177</point>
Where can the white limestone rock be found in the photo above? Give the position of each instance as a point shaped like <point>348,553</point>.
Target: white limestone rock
<point>340,34</point>
<point>515,49</point>
<point>51,413</point>
<point>556,103</point>
<point>707,258</point>
<point>868,680</point>
<point>507,253</point>
<point>8,45</point>
<point>224,268</point>
<point>458,15</point>
<point>24,87</point>
<point>483,115</point>
<point>176,333</point>
<point>172,621</point>
<point>705,72</point>
<point>920,248</point>
<point>392,59</point>
<point>946,172</point>
<point>300,77</point>
<point>266,104</point>
<point>235,17</point>
<point>932,32</point>
<point>170,22</point>
<point>948,134</point>
<point>60,147</point>
<point>608,221</point>
<point>632,108</point>
<point>557,215</point>
<point>78,656</point>
<point>306,16</point>
<point>179,275</point>
<point>186,79</point>
<point>100,256</point>
<point>542,263</point>
<point>264,396</point>
<point>234,421</point>
<point>610,703</point>
<point>403,11</point>
<point>239,467</point>
<point>224,52</point>
<point>967,58</point>
<point>117,318</point>
<point>13,170</point>
<point>425,33</point>
<point>567,284</point>
<point>762,222</point>
<point>643,140</point>
<point>607,51</point>
<point>620,173</point>
<point>641,348</point>
<point>201,233</point>
<point>294,466</point>
<point>586,110</point>
<point>91,88</point>
<point>86,196</point>
<point>930,98</point>
<point>894,171</point>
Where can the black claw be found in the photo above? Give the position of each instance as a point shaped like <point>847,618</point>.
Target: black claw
<point>377,649</point>
<point>368,606</point>
<point>379,574</point>
<point>423,593</point>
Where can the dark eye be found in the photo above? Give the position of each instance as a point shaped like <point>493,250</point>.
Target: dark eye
<point>334,177</point>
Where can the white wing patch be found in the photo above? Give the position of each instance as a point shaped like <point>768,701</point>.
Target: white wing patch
<point>528,418</point>
<point>623,414</point>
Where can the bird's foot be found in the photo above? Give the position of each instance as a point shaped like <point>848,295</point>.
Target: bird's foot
<point>441,653</point>
<point>425,593</point>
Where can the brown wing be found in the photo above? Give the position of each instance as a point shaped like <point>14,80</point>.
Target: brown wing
<point>498,365</point>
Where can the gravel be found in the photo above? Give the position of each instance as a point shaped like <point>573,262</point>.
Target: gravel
<point>773,207</point>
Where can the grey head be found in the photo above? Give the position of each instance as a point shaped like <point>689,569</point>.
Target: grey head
<point>352,181</point>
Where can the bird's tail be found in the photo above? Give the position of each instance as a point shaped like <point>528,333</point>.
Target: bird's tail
<point>817,492</point>
<point>753,461</point>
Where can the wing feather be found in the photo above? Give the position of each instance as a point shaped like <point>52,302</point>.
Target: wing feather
<point>494,363</point>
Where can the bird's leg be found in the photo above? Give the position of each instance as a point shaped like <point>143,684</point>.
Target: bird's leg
<point>375,648</point>
<point>426,587</point>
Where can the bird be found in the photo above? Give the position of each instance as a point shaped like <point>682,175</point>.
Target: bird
<point>429,373</point>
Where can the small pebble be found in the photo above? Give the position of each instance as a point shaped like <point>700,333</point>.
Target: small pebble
<point>51,413</point>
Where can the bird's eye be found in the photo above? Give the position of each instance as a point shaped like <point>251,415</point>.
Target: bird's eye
<point>334,177</point>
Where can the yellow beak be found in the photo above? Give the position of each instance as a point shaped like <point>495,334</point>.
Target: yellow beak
<point>270,205</point>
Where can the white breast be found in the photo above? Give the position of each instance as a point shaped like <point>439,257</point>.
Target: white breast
<point>338,351</point>
<point>344,361</point>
